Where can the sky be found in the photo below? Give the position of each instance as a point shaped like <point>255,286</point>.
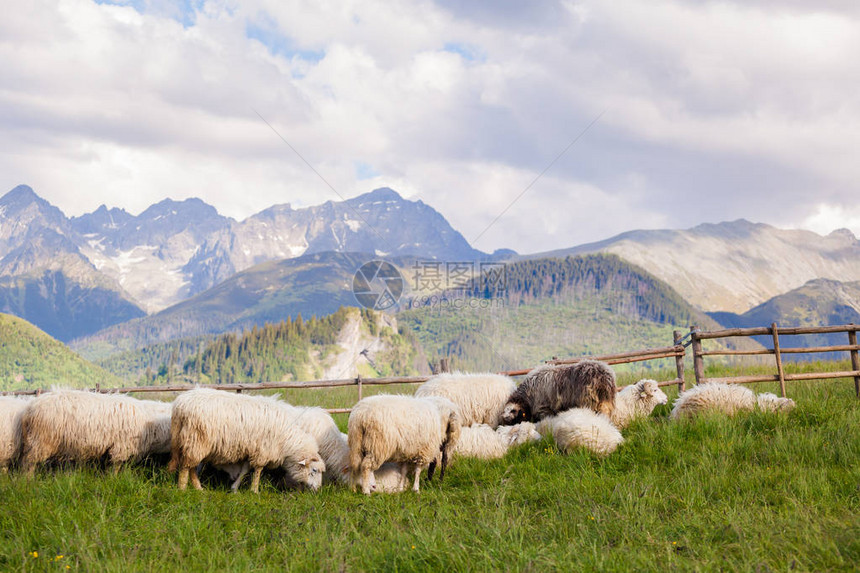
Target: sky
<point>528,125</point>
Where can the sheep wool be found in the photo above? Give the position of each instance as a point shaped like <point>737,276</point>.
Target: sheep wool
<point>332,444</point>
<point>11,410</point>
<point>483,442</point>
<point>480,397</point>
<point>548,390</point>
<point>401,429</point>
<point>222,428</point>
<point>79,425</point>
<point>582,427</point>
<point>637,401</point>
<point>713,397</point>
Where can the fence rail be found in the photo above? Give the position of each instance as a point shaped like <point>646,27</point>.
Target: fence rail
<point>676,351</point>
<point>775,331</point>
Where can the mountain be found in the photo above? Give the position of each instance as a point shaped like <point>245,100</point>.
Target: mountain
<point>820,302</point>
<point>733,266</point>
<point>44,277</point>
<point>592,304</point>
<point>30,358</point>
<point>75,276</point>
<point>269,292</point>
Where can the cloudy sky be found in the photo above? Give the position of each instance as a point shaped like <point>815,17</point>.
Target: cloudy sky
<point>705,111</point>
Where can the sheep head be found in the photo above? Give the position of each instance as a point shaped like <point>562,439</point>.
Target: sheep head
<point>649,391</point>
<point>307,472</point>
<point>515,412</point>
<point>772,403</point>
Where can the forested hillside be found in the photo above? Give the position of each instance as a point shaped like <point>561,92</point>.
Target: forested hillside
<point>542,308</point>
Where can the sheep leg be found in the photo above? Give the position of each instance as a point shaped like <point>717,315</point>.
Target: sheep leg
<point>404,480</point>
<point>183,478</point>
<point>417,470</point>
<point>366,473</point>
<point>195,479</point>
<point>242,473</point>
<point>255,482</point>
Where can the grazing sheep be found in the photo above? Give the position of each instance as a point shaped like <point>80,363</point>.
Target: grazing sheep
<point>223,428</point>
<point>768,402</point>
<point>79,425</point>
<point>389,478</point>
<point>582,427</point>
<point>548,390</point>
<point>11,409</point>
<point>725,398</point>
<point>333,447</point>
<point>637,401</point>
<point>481,441</point>
<point>480,397</point>
<point>402,429</point>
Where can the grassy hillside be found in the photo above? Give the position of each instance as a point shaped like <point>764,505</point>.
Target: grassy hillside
<point>29,358</point>
<point>594,304</point>
<point>759,492</point>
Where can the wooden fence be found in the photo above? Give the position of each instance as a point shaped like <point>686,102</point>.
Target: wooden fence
<point>774,331</point>
<point>676,351</point>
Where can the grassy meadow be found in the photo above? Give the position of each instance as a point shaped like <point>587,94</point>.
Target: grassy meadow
<point>759,492</point>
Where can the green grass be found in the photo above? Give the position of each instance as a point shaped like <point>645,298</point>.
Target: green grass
<point>758,492</point>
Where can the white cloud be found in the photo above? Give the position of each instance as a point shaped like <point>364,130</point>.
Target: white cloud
<point>714,111</point>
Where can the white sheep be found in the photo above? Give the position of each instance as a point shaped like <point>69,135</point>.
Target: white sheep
<point>482,441</point>
<point>11,409</point>
<point>480,397</point>
<point>725,398</point>
<point>637,401</point>
<point>223,428</point>
<point>402,429</point>
<point>582,427</point>
<point>79,425</point>
<point>332,444</point>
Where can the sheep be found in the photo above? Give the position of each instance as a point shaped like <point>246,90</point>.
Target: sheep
<point>727,399</point>
<point>402,429</point>
<point>582,427</point>
<point>480,397</point>
<point>548,390</point>
<point>332,444</point>
<point>637,401</point>
<point>11,409</point>
<point>223,428</point>
<point>482,441</point>
<point>768,402</point>
<point>78,425</point>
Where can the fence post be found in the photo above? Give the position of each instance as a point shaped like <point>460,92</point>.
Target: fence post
<point>855,360</point>
<point>679,363</point>
<point>698,359</point>
<point>358,381</point>
<point>443,365</point>
<point>775,331</point>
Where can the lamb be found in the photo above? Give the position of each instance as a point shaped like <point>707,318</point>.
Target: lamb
<point>401,429</point>
<point>637,401</point>
<point>222,428</point>
<point>480,397</point>
<point>582,427</point>
<point>725,398</point>
<point>548,390</point>
<point>11,409</point>
<point>78,425</point>
<point>481,441</point>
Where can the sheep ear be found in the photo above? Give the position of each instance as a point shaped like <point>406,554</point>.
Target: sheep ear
<point>643,394</point>
<point>303,463</point>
